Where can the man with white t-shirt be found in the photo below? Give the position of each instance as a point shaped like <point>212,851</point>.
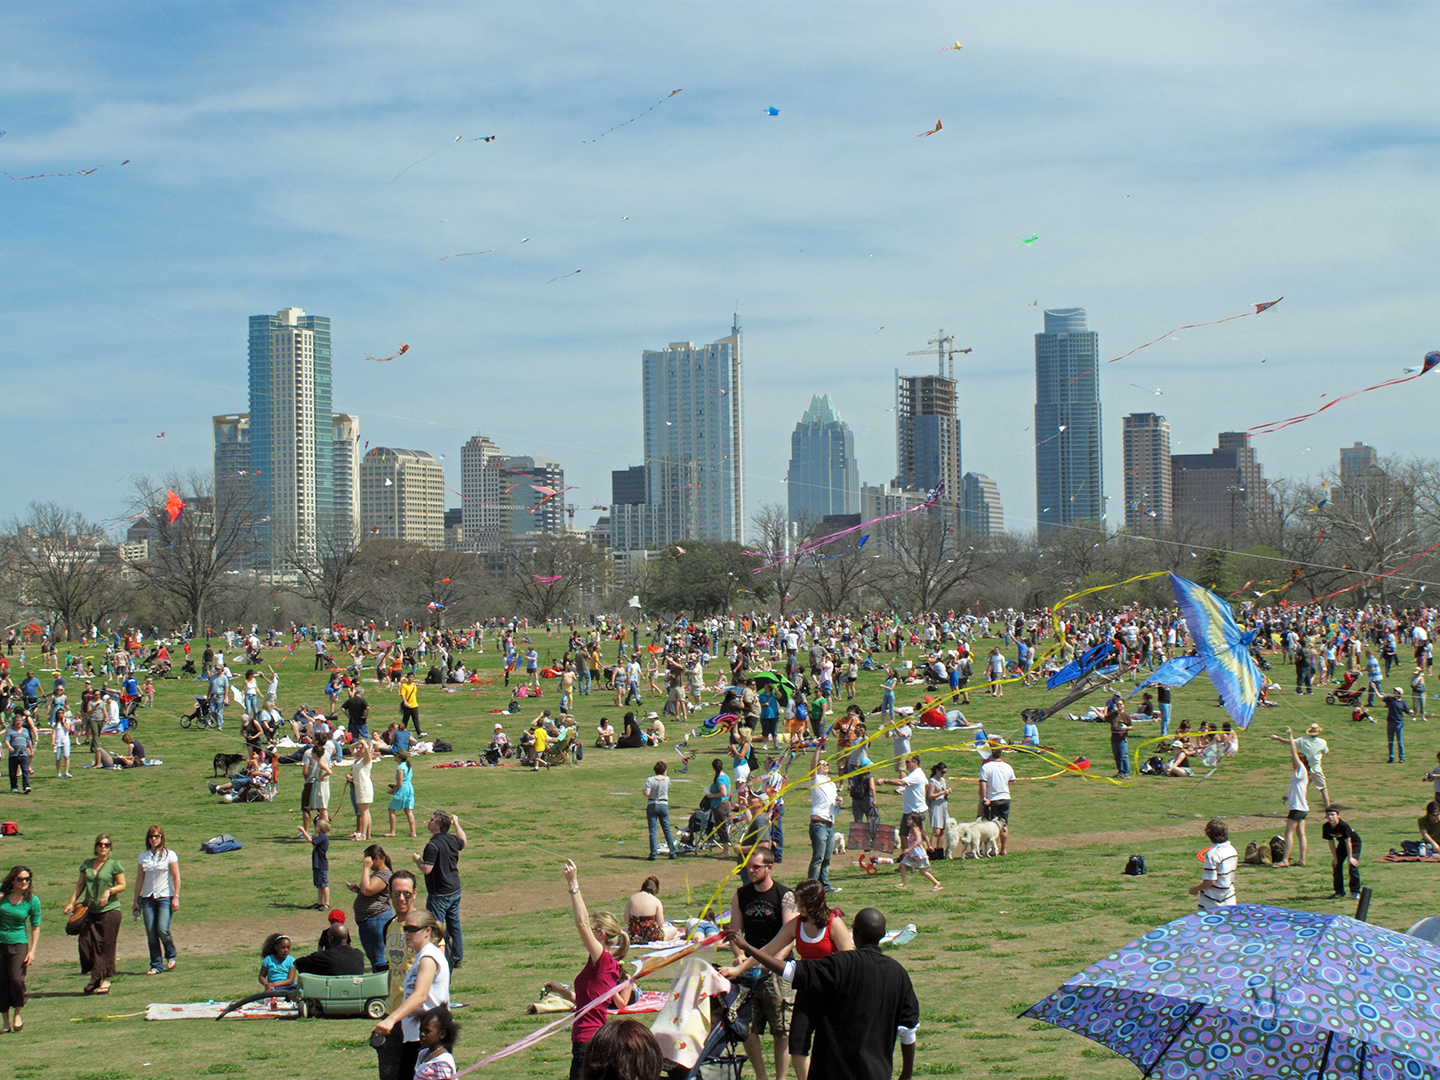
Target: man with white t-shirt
<point>1217,869</point>
<point>912,787</point>
<point>996,776</point>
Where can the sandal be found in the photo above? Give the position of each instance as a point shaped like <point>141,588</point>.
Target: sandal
<point>105,989</point>
<point>169,965</point>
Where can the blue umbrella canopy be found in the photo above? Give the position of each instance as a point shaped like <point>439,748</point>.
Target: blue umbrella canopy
<point>1252,991</point>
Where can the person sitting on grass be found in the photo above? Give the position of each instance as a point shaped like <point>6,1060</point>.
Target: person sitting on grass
<point>277,966</point>
<point>258,771</point>
<point>135,752</point>
<point>1176,766</point>
<point>605,740</point>
<point>1430,825</point>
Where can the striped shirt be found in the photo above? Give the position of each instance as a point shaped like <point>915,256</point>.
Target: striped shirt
<point>1217,876</point>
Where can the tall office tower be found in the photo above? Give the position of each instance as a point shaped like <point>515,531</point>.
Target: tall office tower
<point>1068,484</point>
<point>345,446</point>
<point>1146,440</point>
<point>927,435</point>
<point>1224,490</point>
<point>485,520</point>
<point>1368,494</point>
<point>533,511</point>
<point>402,497</point>
<point>292,464</point>
<point>628,485</point>
<point>232,457</point>
<point>824,479</point>
<point>694,440</point>
<point>980,510</point>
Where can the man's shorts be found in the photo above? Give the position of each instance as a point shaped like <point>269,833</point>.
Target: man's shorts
<point>320,877</point>
<point>1317,779</point>
<point>998,811</point>
<point>770,1006</point>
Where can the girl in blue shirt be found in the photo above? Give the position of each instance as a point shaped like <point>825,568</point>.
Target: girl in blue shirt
<point>277,966</point>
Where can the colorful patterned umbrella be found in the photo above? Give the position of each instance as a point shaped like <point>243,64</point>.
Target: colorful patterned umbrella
<point>1262,992</point>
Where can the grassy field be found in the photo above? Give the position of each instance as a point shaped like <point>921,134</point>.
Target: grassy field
<point>1002,934</point>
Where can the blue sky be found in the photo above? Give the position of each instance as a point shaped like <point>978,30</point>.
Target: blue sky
<point>1178,162</point>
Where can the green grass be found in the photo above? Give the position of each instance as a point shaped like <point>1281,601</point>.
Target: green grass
<point>1003,934</point>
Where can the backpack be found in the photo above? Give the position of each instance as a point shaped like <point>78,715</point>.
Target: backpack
<point>440,746</point>
<point>216,844</point>
<point>1153,767</point>
<point>859,786</point>
<point>1135,867</point>
<point>1258,854</point>
<point>1277,849</point>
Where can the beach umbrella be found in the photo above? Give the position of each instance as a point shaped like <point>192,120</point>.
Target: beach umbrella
<point>1252,991</point>
<point>782,687</point>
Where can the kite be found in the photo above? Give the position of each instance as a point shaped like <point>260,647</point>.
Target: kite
<point>386,359</point>
<point>1191,326</point>
<point>389,482</point>
<point>1432,359</point>
<point>487,251</point>
<point>1318,506</point>
<point>932,131</point>
<point>1157,391</point>
<point>547,580</point>
<point>632,120</point>
<point>1223,651</point>
<point>772,111</point>
<point>174,506</point>
<point>634,601</point>
<point>161,435</point>
<point>427,157</point>
<point>80,172</point>
<point>951,48</point>
<point>557,277</point>
<point>679,551</point>
<point>1083,665</point>
<point>548,492</point>
<point>435,605</point>
<point>810,547</point>
<point>1027,241</point>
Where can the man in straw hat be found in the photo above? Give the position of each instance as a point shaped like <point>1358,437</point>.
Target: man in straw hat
<point>1313,749</point>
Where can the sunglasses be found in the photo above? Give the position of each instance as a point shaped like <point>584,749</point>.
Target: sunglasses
<point>415,929</point>
<point>102,843</point>
<point>23,877</point>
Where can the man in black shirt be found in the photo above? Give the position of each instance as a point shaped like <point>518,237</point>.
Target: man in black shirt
<point>357,713</point>
<point>865,1002</point>
<point>1344,850</point>
<point>339,958</point>
<point>757,913</point>
<point>440,864</point>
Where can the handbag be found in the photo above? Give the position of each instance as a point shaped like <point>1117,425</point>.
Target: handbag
<point>76,922</point>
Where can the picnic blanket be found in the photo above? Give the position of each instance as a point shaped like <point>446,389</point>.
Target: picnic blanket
<point>1397,857</point>
<point>269,1009</point>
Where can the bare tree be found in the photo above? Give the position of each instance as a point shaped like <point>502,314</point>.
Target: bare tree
<point>549,575</point>
<point>197,556</point>
<point>56,556</point>
<point>925,560</point>
<point>334,579</point>
<point>774,537</point>
<point>832,577</point>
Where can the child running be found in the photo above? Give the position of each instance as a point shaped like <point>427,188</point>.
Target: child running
<point>913,856</point>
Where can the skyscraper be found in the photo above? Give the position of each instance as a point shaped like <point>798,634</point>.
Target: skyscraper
<point>823,478</point>
<point>927,435</point>
<point>232,456</point>
<point>694,440</point>
<point>980,510</point>
<point>345,446</point>
<point>1146,441</point>
<point>485,513</point>
<point>402,497</point>
<point>1223,490</point>
<point>1068,483</point>
<point>292,464</point>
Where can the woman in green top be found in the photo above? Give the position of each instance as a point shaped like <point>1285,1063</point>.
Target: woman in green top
<point>19,934</point>
<point>102,881</point>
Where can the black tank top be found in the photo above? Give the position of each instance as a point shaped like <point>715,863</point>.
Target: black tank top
<point>762,912</point>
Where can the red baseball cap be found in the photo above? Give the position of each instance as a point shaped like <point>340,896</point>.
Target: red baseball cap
<point>337,916</point>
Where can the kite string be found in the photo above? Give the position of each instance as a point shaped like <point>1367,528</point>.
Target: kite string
<point>1278,425</point>
<point>1194,326</point>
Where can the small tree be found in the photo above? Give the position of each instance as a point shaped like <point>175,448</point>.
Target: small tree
<point>548,576</point>
<point>56,556</point>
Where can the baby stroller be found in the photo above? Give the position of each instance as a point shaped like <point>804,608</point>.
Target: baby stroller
<point>201,716</point>
<point>1345,694</point>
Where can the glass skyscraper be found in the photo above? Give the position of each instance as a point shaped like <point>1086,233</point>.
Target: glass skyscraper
<point>823,478</point>
<point>1068,485</point>
<point>291,436</point>
<point>694,446</point>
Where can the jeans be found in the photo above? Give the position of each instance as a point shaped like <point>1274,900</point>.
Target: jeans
<point>155,911</point>
<point>251,704</point>
<point>887,703</point>
<point>1342,860</point>
<point>1395,736</point>
<point>1121,751</point>
<point>658,814</point>
<point>584,679</point>
<point>372,940</point>
<point>1164,718</point>
<point>1303,679</point>
<point>777,832</point>
<point>217,710</point>
<point>446,908</point>
<point>1370,696</point>
<point>633,691</point>
<point>822,843</point>
<point>20,763</point>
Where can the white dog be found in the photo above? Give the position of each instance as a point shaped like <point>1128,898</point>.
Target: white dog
<point>952,846</point>
<point>980,838</point>
<point>839,846</point>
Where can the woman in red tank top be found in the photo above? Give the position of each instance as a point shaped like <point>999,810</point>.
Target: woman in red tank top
<point>818,932</point>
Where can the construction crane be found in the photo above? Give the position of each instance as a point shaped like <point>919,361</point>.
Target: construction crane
<point>944,352</point>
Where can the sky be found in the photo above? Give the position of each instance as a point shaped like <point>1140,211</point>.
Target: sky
<point>1177,162</point>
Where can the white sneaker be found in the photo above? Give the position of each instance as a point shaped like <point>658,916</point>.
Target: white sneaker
<point>69,775</point>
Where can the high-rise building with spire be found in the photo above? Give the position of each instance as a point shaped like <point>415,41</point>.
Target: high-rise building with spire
<point>823,478</point>
<point>1068,479</point>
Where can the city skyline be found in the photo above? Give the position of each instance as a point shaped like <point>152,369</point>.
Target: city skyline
<point>1125,138</point>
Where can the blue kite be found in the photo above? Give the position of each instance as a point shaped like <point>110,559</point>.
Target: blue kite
<point>1084,664</point>
<point>1223,652</point>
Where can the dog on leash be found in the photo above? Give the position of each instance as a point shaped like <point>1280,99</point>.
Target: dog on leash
<point>980,838</point>
<point>225,762</point>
